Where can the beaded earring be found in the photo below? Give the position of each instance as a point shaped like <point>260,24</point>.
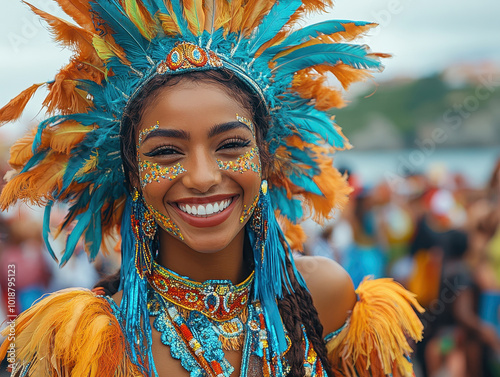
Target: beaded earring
<point>144,227</point>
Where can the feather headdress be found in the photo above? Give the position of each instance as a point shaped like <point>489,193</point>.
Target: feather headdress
<point>119,45</point>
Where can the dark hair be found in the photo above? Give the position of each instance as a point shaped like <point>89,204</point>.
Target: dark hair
<point>296,309</point>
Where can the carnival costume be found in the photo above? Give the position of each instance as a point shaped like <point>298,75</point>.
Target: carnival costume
<point>74,157</point>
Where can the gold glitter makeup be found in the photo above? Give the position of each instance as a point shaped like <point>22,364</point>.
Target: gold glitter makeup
<point>166,223</point>
<point>248,210</point>
<point>243,163</point>
<point>246,121</point>
<point>145,132</point>
<point>155,172</point>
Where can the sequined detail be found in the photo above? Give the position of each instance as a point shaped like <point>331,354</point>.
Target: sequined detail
<point>145,132</point>
<point>243,163</point>
<point>156,172</point>
<point>166,223</point>
<point>188,56</point>
<point>214,298</point>
<point>248,210</point>
<point>246,121</point>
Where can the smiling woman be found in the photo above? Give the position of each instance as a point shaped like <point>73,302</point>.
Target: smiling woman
<point>199,129</point>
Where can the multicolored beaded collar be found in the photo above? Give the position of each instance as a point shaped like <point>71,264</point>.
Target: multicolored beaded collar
<point>219,300</point>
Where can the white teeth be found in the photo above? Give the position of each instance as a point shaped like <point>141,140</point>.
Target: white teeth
<point>205,209</point>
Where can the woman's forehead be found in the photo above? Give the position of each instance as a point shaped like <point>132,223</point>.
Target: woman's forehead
<point>193,106</point>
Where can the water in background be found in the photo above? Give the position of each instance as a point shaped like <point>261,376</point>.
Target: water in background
<point>374,166</point>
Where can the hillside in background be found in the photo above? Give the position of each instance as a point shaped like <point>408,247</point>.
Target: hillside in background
<point>458,108</point>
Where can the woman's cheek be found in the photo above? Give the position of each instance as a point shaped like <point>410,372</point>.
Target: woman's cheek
<point>152,172</point>
<point>246,166</point>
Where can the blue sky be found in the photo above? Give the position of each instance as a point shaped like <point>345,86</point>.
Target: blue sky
<point>424,37</point>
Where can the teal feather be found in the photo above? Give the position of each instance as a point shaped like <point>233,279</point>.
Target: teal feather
<point>83,221</point>
<point>305,181</point>
<point>307,33</point>
<point>290,208</point>
<point>177,8</point>
<point>272,23</point>
<point>318,123</point>
<point>354,55</point>
<point>126,33</point>
<point>46,229</point>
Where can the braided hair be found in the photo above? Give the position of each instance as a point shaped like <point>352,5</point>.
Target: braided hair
<point>298,312</point>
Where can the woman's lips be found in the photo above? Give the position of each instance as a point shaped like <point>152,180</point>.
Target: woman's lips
<point>201,206</point>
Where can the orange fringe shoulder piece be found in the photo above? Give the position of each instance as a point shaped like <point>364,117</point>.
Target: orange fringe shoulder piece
<point>375,340</point>
<point>72,332</point>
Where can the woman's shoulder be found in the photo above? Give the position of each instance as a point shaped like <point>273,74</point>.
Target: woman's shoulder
<point>331,289</point>
<point>82,330</point>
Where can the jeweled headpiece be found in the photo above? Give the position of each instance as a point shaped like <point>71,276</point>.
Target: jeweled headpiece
<point>119,45</point>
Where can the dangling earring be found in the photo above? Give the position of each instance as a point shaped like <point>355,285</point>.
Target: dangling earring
<point>144,227</point>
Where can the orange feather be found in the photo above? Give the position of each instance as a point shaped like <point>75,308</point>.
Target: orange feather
<point>253,12</point>
<point>195,15</point>
<point>346,74</point>
<point>236,16</point>
<point>71,333</point>
<point>15,107</point>
<point>141,18</point>
<point>22,150</point>
<point>79,11</point>
<point>66,33</point>
<point>312,85</point>
<point>294,233</point>
<point>36,185</point>
<point>168,24</point>
<point>66,136</point>
<point>374,341</point>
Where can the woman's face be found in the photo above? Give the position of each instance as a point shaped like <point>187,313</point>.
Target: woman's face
<point>199,164</point>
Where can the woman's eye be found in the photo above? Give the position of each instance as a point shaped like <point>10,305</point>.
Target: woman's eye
<point>162,151</point>
<point>235,144</point>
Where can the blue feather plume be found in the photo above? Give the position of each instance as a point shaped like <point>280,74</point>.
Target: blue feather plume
<point>330,54</point>
<point>272,23</point>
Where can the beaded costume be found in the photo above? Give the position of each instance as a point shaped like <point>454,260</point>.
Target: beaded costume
<point>74,157</point>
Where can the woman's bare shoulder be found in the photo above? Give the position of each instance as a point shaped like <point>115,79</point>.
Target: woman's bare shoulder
<point>117,297</point>
<point>331,289</point>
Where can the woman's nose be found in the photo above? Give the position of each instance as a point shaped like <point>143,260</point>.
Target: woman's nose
<point>202,173</point>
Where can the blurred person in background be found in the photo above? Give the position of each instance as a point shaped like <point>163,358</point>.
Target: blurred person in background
<point>365,256</point>
<point>458,340</point>
<point>24,248</point>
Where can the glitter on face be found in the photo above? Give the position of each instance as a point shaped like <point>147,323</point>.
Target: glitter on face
<point>155,172</point>
<point>248,210</point>
<point>248,122</point>
<point>243,163</point>
<point>166,223</point>
<point>145,132</point>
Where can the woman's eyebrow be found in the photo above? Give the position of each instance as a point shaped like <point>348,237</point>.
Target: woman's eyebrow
<point>224,127</point>
<point>167,132</point>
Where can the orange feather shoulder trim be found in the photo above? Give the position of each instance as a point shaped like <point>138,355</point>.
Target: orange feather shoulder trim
<point>375,340</point>
<point>72,332</point>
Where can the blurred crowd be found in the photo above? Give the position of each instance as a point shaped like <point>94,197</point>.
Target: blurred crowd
<point>439,237</point>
